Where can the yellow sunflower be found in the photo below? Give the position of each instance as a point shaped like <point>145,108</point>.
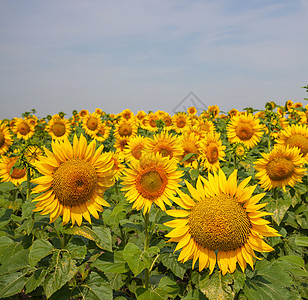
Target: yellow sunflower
<point>221,223</point>
<point>149,122</point>
<point>191,110</point>
<point>127,114</point>
<point>211,151</point>
<point>246,129</point>
<point>58,128</point>
<point>295,136</point>
<point>5,139</point>
<point>83,113</point>
<point>118,164</point>
<point>281,167</point>
<point>23,129</point>
<point>33,153</point>
<point>91,124</point>
<point>190,144</point>
<point>74,180</point>
<point>213,110</point>
<point>166,144</point>
<point>103,132</point>
<point>9,173</point>
<point>135,148</point>
<point>152,179</point>
<point>121,143</point>
<point>180,121</point>
<point>127,128</point>
<point>204,127</point>
<point>233,112</point>
<point>168,121</point>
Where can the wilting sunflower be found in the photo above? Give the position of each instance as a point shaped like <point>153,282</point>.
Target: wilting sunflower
<point>295,136</point>
<point>58,128</point>
<point>221,224</point>
<point>74,180</point>
<point>127,128</point>
<point>180,121</point>
<point>91,123</point>
<point>5,139</point>
<point>190,144</point>
<point>246,129</point>
<point>166,144</point>
<point>9,173</point>
<point>152,179</point>
<point>23,129</point>
<point>211,151</point>
<point>103,132</point>
<point>282,166</point>
<point>135,148</point>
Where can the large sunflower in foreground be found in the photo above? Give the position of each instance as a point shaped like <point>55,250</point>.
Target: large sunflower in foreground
<point>282,166</point>
<point>5,138</point>
<point>295,136</point>
<point>74,180</point>
<point>221,224</point>
<point>246,129</point>
<point>153,179</point>
<point>9,173</point>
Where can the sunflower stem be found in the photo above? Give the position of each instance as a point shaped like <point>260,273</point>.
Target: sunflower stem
<point>146,248</point>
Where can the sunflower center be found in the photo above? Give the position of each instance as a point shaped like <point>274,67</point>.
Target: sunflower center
<point>125,129</point>
<point>74,182</point>
<point>164,150</point>
<point>2,140</point>
<point>151,184</point>
<point>152,123</point>
<point>92,123</point>
<point>137,152</point>
<point>280,168</point>
<point>15,173</point>
<point>212,153</point>
<point>244,131</point>
<point>219,223</point>
<point>23,128</point>
<point>58,129</point>
<point>181,123</point>
<point>299,141</point>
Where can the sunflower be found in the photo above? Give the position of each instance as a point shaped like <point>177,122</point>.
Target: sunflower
<point>281,167</point>
<point>180,122</point>
<point>204,127</point>
<point>127,114</point>
<point>121,143</point>
<point>166,144</point>
<point>103,132</point>
<point>152,179</point>
<point>99,111</point>
<point>168,121</point>
<point>125,128</point>
<point>149,122</point>
<point>5,139</point>
<point>244,129</point>
<point>191,110</point>
<point>91,124</point>
<point>74,180</point>
<point>213,110</point>
<point>9,173</point>
<point>233,112</point>
<point>135,148</point>
<point>289,105</point>
<point>221,224</point>
<point>83,113</point>
<point>58,128</point>
<point>23,129</point>
<point>190,144</point>
<point>32,153</point>
<point>211,151</point>
<point>118,164</point>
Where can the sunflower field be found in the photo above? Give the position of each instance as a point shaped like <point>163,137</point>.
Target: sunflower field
<point>153,206</point>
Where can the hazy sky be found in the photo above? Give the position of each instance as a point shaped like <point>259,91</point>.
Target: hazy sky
<point>149,55</point>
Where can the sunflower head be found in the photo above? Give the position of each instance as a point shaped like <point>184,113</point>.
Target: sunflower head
<point>220,222</point>
<point>10,171</point>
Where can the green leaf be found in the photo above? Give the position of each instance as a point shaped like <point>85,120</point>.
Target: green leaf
<point>12,283</point>
<point>270,281</point>
<point>16,262</point>
<point>188,156</point>
<point>35,280</point>
<point>98,288</point>
<point>64,270</point>
<point>137,259</point>
<point>129,224</point>
<point>167,288</point>
<point>170,262</point>
<point>106,263</point>
<point>301,241</point>
<point>279,208</point>
<point>77,248</point>
<point>5,217</point>
<point>293,264</point>
<point>27,208</point>
<point>39,249</point>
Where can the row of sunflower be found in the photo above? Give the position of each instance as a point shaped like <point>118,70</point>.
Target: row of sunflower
<point>155,205</point>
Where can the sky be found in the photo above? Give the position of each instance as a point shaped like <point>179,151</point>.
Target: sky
<point>150,55</point>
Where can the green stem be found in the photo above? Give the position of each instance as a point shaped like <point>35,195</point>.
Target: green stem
<point>28,183</point>
<point>146,248</point>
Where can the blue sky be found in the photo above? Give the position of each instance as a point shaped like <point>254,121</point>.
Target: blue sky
<point>148,55</point>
